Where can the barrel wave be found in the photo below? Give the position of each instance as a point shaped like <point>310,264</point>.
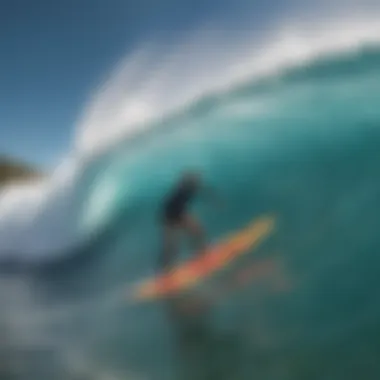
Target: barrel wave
<point>301,145</point>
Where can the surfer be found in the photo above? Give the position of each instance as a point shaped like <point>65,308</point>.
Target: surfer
<point>176,217</point>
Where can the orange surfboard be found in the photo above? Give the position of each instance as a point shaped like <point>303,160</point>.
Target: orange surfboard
<point>213,259</point>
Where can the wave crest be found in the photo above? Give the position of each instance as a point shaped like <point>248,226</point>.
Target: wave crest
<point>152,83</point>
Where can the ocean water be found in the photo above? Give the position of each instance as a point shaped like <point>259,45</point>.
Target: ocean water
<point>302,145</point>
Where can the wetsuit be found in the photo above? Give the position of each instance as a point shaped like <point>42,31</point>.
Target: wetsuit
<point>177,203</point>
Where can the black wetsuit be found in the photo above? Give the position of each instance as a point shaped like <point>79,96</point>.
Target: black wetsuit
<point>177,203</point>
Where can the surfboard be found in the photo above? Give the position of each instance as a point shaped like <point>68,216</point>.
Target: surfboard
<point>204,264</point>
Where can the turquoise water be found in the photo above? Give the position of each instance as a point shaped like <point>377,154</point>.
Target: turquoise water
<point>303,146</point>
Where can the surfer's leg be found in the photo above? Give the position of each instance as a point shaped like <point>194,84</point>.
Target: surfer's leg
<point>170,246</point>
<point>194,228</point>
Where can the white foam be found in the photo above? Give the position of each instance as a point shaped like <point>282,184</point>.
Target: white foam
<point>35,216</point>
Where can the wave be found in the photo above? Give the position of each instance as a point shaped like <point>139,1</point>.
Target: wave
<point>155,87</point>
<point>148,85</point>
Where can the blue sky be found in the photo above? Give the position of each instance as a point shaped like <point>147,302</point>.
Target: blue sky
<point>55,53</point>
